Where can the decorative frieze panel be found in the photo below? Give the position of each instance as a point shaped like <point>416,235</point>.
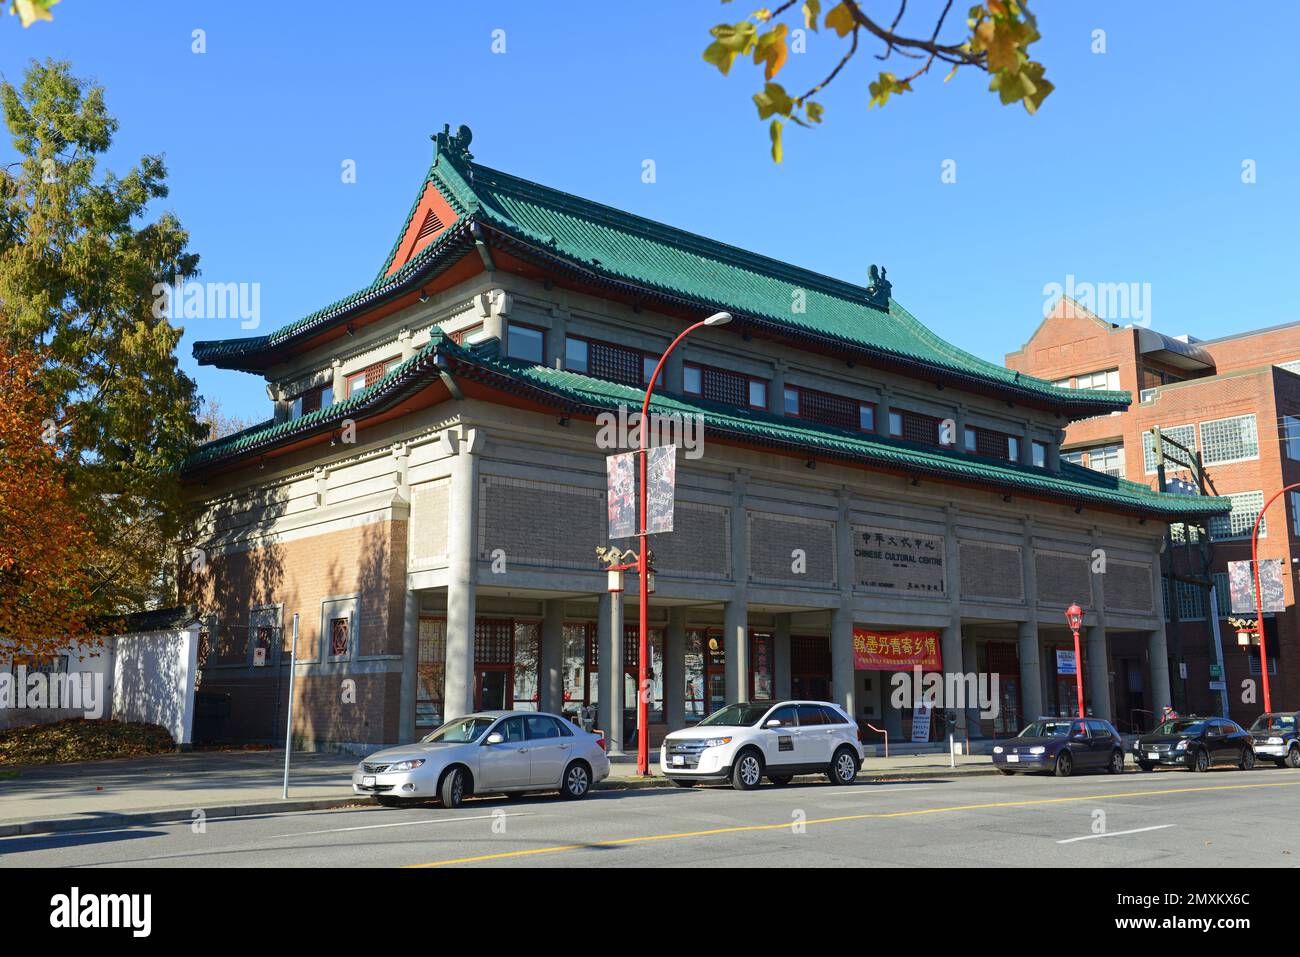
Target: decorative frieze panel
<point>790,550</point>
<point>990,570</point>
<point>1063,578</point>
<point>699,546</point>
<point>540,523</point>
<point>1128,587</point>
<point>429,522</point>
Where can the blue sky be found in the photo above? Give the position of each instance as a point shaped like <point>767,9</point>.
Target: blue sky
<point>1130,173</point>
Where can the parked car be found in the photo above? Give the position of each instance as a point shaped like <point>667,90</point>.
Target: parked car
<point>1196,743</point>
<point>1276,735</point>
<point>742,743</point>
<point>1062,746</point>
<point>490,752</point>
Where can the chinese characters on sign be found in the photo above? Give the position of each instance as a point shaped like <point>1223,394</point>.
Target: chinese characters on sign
<point>885,558</point>
<point>896,650</point>
<point>1241,586</point>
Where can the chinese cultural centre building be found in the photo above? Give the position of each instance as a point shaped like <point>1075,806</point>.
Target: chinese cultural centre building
<point>430,492</point>
<point>1235,402</point>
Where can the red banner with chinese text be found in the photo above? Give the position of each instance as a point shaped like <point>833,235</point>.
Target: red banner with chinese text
<point>896,650</point>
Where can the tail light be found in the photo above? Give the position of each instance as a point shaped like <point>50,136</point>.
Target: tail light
<point>600,742</point>
<point>861,740</point>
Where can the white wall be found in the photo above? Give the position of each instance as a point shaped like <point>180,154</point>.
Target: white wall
<point>153,679</point>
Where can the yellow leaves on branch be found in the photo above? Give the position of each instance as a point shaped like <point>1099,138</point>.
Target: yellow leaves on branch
<point>29,11</point>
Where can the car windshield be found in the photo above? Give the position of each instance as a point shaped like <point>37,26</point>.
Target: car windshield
<point>1180,726</point>
<point>1274,722</point>
<point>1047,729</point>
<point>736,715</point>
<point>462,730</point>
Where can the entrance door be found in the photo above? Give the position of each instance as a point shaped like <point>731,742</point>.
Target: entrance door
<point>810,667</point>
<point>491,688</point>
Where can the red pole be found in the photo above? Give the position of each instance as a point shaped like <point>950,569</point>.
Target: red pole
<point>1259,601</point>
<point>1078,670</point>
<point>643,574</point>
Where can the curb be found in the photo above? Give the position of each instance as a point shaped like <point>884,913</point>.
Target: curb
<point>114,821</point>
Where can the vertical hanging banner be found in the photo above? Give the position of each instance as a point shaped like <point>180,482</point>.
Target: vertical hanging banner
<point>620,474</point>
<point>1241,586</point>
<point>661,488</point>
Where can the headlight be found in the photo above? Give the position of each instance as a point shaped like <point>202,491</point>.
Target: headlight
<point>717,742</point>
<point>1038,750</point>
<point>406,765</point>
<point>1274,740</point>
<point>1181,746</point>
<point>997,749</point>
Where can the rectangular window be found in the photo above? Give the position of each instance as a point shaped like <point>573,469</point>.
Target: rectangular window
<point>356,383</point>
<point>971,440</point>
<point>525,343</point>
<point>1108,459</point>
<point>1074,458</point>
<point>1191,601</point>
<point>1240,521</point>
<point>1061,384</point>
<point>340,642</point>
<point>575,354</point>
<point>1040,455</point>
<point>1174,457</point>
<point>1295,514</point>
<point>1222,595</point>
<point>1291,436</point>
<point>313,400</point>
<point>615,363</point>
<point>919,428</point>
<point>757,394</point>
<point>866,417</point>
<point>1013,448</point>
<point>466,336</point>
<point>1109,379</point>
<point>896,424</point>
<point>1229,440</point>
<point>693,381</point>
<point>791,402</point>
<point>648,363</point>
<point>724,385</point>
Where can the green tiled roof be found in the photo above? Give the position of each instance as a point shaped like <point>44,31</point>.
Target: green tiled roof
<point>610,245</point>
<point>579,393</point>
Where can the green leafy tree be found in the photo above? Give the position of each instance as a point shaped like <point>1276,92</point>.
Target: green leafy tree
<point>29,11</point>
<point>994,40</point>
<point>79,260</point>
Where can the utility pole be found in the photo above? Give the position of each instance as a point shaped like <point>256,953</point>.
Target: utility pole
<point>1175,638</point>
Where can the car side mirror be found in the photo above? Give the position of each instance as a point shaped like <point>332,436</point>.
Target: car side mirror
<point>494,738</point>
<point>774,723</point>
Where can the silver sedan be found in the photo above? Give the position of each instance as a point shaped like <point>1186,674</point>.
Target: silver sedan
<point>490,752</point>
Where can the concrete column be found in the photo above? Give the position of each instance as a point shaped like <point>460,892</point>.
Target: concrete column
<point>950,648</point>
<point>337,383</point>
<point>951,640</point>
<point>844,686</point>
<point>550,670</point>
<point>882,423</point>
<point>1031,673</point>
<point>673,380</point>
<point>1158,665</point>
<point>609,685</point>
<point>781,656</point>
<point>735,616</point>
<point>556,337</point>
<point>1097,672</point>
<point>410,655</point>
<point>776,389</point>
<point>405,344</point>
<point>675,669</point>
<point>462,567</point>
<point>970,664</point>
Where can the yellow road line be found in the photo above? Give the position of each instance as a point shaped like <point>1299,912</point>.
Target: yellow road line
<point>713,832</point>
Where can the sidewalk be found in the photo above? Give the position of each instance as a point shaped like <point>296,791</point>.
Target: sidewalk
<point>172,787</point>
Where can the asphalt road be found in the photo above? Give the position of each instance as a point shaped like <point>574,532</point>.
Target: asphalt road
<point>1166,818</point>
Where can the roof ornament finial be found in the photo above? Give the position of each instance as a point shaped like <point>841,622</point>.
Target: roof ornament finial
<point>879,288</point>
<point>454,146</point>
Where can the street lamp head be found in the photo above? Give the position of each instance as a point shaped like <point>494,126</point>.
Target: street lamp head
<point>1074,616</point>
<point>718,319</point>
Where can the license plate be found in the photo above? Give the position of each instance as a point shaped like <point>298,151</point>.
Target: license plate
<point>1153,756</point>
<point>368,782</point>
<point>679,759</point>
<point>1013,758</point>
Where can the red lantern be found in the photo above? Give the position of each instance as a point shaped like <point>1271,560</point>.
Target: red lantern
<point>1074,617</point>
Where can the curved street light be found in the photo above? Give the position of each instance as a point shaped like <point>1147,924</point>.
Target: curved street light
<point>1259,603</point>
<point>643,566</point>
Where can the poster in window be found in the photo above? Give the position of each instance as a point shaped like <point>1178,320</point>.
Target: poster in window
<point>1241,586</point>
<point>661,487</point>
<point>620,474</point>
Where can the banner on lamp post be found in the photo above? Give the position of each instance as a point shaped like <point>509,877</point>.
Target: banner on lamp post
<point>620,494</point>
<point>1241,586</point>
<point>661,488</point>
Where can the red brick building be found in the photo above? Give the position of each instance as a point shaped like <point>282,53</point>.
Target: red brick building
<point>1236,401</point>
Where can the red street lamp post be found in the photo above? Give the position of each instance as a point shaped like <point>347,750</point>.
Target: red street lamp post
<point>643,566</point>
<point>1259,601</point>
<point>1074,616</point>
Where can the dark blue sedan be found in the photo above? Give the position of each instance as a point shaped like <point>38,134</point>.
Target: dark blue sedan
<point>1062,746</point>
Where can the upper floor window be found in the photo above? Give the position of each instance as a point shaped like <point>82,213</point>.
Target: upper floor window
<point>1013,448</point>
<point>313,400</point>
<point>527,343</point>
<point>1239,523</point>
<point>914,427</point>
<point>1184,435</point>
<point>1062,383</point>
<point>723,385</point>
<point>606,360</point>
<point>828,409</point>
<point>1107,379</point>
<point>370,375</point>
<point>1039,452</point>
<point>1102,458</point>
<point>1291,436</point>
<point>1229,440</point>
<point>990,442</point>
<point>460,336</point>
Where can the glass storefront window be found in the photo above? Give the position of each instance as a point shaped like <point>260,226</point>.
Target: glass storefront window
<point>761,651</point>
<point>575,666</point>
<point>527,643</point>
<point>695,640</point>
<point>430,673</point>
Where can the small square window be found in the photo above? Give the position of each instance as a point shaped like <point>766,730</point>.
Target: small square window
<point>791,401</point>
<point>575,354</point>
<point>692,380</point>
<point>866,417</point>
<point>896,424</point>
<point>972,443</point>
<point>525,343</point>
<point>356,383</point>
<point>758,393</point>
<point>339,640</point>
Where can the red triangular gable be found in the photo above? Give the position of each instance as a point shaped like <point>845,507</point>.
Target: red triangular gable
<point>433,215</point>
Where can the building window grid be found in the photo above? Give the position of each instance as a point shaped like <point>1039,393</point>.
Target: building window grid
<point>827,409</point>
<point>1107,379</point>
<point>1222,594</point>
<point>1182,434</point>
<point>1191,600</point>
<point>1246,507</point>
<point>614,363</point>
<point>919,428</point>
<point>1234,439</point>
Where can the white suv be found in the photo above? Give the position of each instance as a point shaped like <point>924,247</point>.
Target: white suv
<point>742,743</point>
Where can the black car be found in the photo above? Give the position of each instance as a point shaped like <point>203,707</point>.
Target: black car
<point>1062,746</point>
<point>1195,743</point>
<point>1277,736</point>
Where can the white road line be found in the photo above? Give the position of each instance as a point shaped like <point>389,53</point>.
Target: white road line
<point>437,820</point>
<point>1136,830</point>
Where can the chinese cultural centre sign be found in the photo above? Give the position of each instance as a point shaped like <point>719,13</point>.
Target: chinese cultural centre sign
<point>889,560</point>
<point>896,650</point>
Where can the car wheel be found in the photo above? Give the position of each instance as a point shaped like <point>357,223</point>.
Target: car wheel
<point>1007,771</point>
<point>1146,766</point>
<point>1293,756</point>
<point>576,782</point>
<point>679,783</point>
<point>1247,761</point>
<point>453,788</point>
<point>1202,762</point>
<point>1064,764</point>
<point>1116,765</point>
<point>844,767</point>
<point>780,780</point>
<point>747,771</point>
<point>386,801</point>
